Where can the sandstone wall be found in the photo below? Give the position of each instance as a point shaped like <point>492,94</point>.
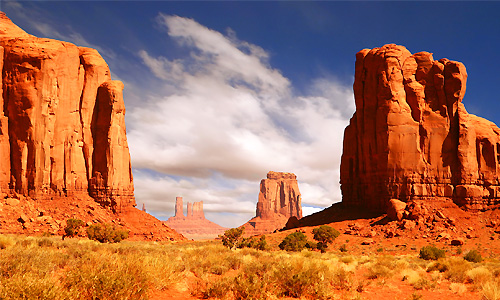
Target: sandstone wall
<point>62,128</point>
<point>412,138</point>
<point>279,200</point>
<point>279,194</point>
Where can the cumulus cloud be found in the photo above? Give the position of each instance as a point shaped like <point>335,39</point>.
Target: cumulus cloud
<point>225,120</point>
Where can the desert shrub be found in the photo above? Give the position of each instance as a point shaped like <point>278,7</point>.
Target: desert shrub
<point>294,242</point>
<point>431,253</point>
<point>382,267</point>
<point>479,276</point>
<point>106,233</point>
<point>211,259</point>
<point>72,227</point>
<point>457,270</point>
<point>107,276</point>
<point>249,242</point>
<point>491,290</point>
<point>311,245</point>
<point>249,286</point>
<point>32,286</point>
<point>45,242</point>
<point>232,237</point>
<point>438,266</point>
<point>473,256</point>
<point>424,284</point>
<point>262,244</point>
<point>324,235</point>
<point>6,241</point>
<point>299,278</point>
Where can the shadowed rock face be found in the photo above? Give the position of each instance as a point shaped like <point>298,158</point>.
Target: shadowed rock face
<point>411,137</point>
<point>279,200</point>
<point>62,127</point>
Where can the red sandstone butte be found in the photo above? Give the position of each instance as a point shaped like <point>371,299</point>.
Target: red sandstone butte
<point>62,127</point>
<point>411,137</point>
<point>194,225</point>
<point>279,200</point>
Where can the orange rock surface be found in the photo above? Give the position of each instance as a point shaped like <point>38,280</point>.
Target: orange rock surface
<point>194,225</point>
<point>62,122</point>
<point>279,200</point>
<point>62,126</point>
<point>411,137</point>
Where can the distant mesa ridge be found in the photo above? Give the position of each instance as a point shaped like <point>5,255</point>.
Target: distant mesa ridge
<point>194,224</point>
<point>194,210</point>
<point>411,137</point>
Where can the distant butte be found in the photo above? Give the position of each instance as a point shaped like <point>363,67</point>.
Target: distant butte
<point>411,137</point>
<point>63,144</point>
<point>194,225</point>
<point>279,202</point>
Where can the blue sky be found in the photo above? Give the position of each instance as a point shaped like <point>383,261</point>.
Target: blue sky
<point>219,93</point>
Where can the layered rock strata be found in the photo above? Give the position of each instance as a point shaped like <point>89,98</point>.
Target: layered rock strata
<point>279,200</point>
<point>62,127</point>
<point>194,225</point>
<point>411,137</point>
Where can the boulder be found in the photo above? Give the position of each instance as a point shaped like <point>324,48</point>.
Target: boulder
<point>396,209</point>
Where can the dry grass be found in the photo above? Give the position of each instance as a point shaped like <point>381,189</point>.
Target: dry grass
<point>48,268</point>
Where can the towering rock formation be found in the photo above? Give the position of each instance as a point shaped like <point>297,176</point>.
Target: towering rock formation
<point>411,137</point>
<point>279,200</point>
<point>63,144</point>
<point>62,127</point>
<point>178,208</point>
<point>194,225</point>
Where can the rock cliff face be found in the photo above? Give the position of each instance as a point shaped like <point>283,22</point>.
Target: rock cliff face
<point>411,137</point>
<point>63,148</point>
<point>194,225</point>
<point>279,200</point>
<point>62,128</point>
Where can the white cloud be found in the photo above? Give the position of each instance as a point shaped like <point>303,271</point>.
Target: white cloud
<point>225,120</point>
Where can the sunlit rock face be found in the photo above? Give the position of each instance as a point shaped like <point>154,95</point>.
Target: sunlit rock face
<point>279,200</point>
<point>62,126</point>
<point>411,137</point>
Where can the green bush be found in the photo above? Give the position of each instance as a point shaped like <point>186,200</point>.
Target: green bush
<point>324,235</point>
<point>106,233</point>
<point>294,242</point>
<point>72,227</point>
<point>473,256</point>
<point>262,244</point>
<point>431,253</point>
<point>232,237</point>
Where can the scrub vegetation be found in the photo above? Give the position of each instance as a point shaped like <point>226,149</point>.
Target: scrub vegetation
<point>51,268</point>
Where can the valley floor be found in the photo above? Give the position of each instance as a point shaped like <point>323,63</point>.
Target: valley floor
<point>49,268</point>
